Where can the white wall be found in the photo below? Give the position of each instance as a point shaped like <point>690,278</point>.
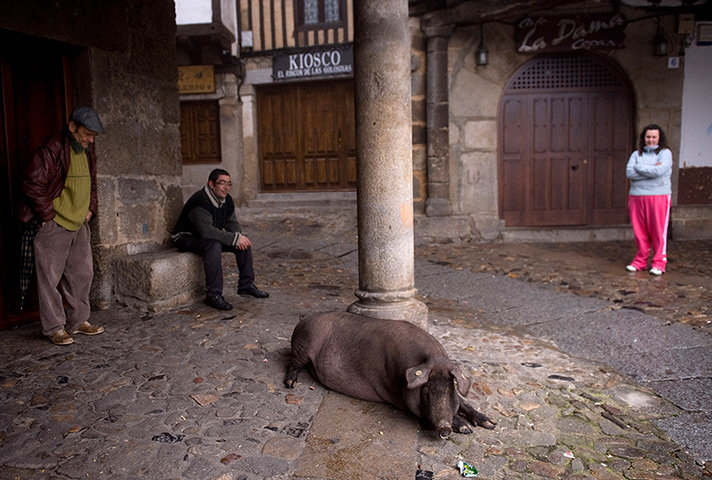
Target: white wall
<point>189,12</point>
<point>696,134</point>
<point>228,11</point>
<point>198,12</point>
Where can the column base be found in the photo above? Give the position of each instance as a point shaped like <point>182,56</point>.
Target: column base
<point>411,310</point>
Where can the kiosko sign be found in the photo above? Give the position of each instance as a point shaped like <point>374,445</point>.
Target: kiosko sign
<point>314,62</point>
<point>567,33</point>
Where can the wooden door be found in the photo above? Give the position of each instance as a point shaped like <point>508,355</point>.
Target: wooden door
<point>565,136</point>
<point>307,139</point>
<point>200,132</point>
<point>612,140</point>
<point>33,100</point>
<point>558,153</point>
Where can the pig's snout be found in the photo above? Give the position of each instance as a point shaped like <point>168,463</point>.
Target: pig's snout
<point>444,431</point>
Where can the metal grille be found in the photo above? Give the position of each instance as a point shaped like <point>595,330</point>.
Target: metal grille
<point>311,12</point>
<point>564,71</point>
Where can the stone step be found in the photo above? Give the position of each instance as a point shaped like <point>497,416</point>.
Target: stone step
<point>302,200</point>
<point>607,233</point>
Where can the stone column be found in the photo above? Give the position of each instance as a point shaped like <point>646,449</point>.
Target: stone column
<point>385,166</point>
<point>437,114</point>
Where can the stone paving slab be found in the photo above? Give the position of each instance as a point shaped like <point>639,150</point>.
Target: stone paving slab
<point>352,438</point>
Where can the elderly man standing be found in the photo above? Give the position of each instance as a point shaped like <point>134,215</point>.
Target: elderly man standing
<point>207,226</point>
<point>60,189</point>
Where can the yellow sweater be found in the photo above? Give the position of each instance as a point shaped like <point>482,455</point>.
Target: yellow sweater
<point>72,205</point>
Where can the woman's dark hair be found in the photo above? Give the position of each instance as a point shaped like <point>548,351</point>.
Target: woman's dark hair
<point>213,177</point>
<point>662,142</point>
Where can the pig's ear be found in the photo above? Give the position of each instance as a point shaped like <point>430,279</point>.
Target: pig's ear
<point>417,376</point>
<point>461,381</point>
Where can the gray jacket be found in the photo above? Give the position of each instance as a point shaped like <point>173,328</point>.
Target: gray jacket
<point>649,173</point>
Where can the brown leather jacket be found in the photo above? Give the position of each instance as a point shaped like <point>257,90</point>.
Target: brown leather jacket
<point>45,176</point>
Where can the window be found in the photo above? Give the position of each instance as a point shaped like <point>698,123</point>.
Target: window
<point>200,132</point>
<point>318,14</point>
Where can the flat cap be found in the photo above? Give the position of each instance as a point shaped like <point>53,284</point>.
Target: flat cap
<point>87,117</point>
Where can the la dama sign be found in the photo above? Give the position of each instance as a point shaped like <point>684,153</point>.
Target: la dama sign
<point>313,62</point>
<point>570,33</point>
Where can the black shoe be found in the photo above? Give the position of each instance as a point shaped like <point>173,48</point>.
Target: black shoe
<point>217,301</point>
<point>253,291</point>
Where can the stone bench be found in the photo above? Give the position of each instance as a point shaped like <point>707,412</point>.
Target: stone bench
<point>158,281</point>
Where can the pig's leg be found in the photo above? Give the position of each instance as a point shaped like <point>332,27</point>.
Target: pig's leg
<point>291,378</point>
<point>297,362</point>
<point>477,418</point>
<point>460,425</point>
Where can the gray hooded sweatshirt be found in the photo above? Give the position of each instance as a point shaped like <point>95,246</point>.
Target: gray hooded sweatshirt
<point>646,176</point>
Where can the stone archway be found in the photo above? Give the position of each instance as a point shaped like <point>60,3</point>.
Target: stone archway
<point>565,133</point>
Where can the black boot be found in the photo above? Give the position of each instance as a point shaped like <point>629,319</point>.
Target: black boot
<point>253,291</point>
<point>217,301</point>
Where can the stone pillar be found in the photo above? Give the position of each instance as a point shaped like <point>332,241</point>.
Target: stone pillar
<point>385,166</point>
<point>437,114</point>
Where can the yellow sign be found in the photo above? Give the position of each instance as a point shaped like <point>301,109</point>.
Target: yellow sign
<point>196,79</point>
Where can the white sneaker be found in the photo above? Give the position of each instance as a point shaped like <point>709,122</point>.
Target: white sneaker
<point>656,271</point>
<point>631,268</point>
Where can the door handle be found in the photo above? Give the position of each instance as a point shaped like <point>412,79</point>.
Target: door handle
<point>576,166</point>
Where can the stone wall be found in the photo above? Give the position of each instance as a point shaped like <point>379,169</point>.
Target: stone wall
<point>135,90</point>
<point>657,89</point>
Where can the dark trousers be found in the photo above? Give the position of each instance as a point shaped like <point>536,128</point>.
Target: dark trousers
<point>211,251</point>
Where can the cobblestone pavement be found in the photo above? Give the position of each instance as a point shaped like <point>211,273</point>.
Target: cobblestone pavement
<point>197,394</point>
<point>596,269</point>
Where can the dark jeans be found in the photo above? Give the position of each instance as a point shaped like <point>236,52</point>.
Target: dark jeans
<point>211,251</point>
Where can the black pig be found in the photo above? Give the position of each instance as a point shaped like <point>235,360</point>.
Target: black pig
<point>385,361</point>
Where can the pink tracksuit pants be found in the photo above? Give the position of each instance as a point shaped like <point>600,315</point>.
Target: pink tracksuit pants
<point>650,215</point>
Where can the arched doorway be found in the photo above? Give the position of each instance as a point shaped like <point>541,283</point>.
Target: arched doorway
<point>565,133</point>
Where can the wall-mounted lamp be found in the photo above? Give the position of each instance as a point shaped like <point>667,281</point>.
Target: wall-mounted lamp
<point>481,54</point>
<point>660,42</point>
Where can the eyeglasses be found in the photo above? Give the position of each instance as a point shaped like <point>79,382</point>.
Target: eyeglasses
<point>223,182</point>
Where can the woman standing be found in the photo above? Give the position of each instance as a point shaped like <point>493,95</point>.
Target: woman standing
<point>649,169</point>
